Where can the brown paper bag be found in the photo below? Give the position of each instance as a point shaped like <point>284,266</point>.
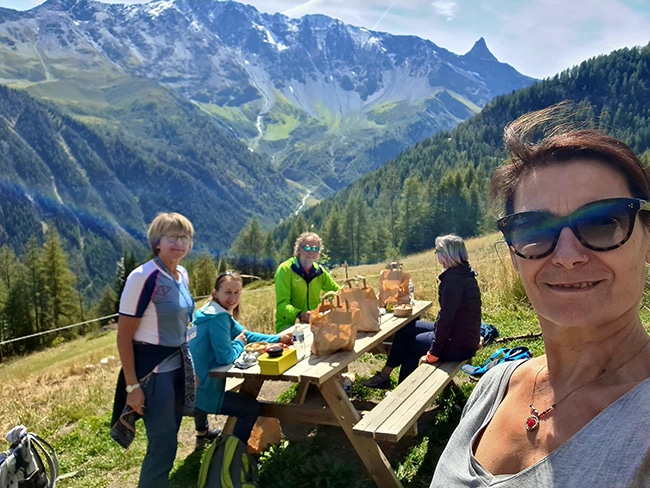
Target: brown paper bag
<point>334,325</point>
<point>266,432</point>
<point>363,298</point>
<point>394,285</point>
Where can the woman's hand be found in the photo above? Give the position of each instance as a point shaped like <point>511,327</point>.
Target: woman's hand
<point>135,400</point>
<point>429,359</point>
<point>287,338</point>
<point>304,317</point>
<point>241,337</point>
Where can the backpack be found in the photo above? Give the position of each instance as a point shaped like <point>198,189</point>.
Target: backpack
<point>22,465</point>
<point>226,464</point>
<point>489,334</point>
<point>500,356</point>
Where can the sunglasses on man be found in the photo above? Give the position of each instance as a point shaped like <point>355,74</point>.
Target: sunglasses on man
<point>309,248</point>
<point>602,225</point>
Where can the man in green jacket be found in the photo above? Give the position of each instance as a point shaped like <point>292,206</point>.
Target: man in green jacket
<point>299,282</point>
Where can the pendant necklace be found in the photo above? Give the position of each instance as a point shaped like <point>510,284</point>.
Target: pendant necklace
<point>533,420</point>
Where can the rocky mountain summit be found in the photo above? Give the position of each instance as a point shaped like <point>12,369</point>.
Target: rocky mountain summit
<point>325,101</point>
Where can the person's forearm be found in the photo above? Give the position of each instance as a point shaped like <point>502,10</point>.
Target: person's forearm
<point>125,334</point>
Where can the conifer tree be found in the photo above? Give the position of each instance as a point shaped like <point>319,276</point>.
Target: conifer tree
<point>125,265</point>
<point>203,275</point>
<point>410,216</point>
<point>270,258</point>
<point>59,283</point>
<point>249,247</point>
<point>335,241</point>
<point>18,320</point>
<point>106,304</point>
<point>35,286</point>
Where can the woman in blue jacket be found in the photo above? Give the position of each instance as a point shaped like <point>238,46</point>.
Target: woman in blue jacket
<point>219,341</point>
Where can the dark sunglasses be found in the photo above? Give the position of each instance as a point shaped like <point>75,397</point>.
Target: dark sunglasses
<point>600,226</point>
<point>309,248</point>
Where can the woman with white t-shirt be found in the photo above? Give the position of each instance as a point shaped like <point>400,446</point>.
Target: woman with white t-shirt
<point>155,309</point>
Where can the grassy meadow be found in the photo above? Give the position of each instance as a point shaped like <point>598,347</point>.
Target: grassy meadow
<point>65,393</point>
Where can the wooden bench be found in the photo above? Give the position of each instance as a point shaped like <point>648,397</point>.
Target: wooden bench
<point>398,413</point>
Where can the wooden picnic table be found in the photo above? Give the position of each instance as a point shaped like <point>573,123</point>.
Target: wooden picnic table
<point>323,371</point>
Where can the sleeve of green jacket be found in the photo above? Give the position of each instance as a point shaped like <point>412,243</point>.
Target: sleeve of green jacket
<point>329,283</point>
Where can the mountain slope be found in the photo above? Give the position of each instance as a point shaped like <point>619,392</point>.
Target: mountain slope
<point>326,101</point>
<point>103,181</point>
<point>440,184</point>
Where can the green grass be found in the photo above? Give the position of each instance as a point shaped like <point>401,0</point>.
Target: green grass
<point>65,394</point>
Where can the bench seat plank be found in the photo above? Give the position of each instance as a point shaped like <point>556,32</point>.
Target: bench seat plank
<point>399,411</point>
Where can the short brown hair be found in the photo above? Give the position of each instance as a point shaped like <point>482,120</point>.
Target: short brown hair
<point>563,142</point>
<point>166,223</point>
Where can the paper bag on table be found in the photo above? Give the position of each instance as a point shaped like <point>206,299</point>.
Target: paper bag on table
<point>394,285</point>
<point>334,325</point>
<point>266,432</point>
<point>363,298</point>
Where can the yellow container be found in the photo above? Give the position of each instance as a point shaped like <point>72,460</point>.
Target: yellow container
<point>276,366</point>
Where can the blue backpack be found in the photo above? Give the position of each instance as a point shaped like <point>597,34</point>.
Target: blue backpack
<point>489,334</point>
<point>500,356</point>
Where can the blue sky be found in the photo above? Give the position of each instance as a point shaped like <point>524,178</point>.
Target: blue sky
<point>538,37</point>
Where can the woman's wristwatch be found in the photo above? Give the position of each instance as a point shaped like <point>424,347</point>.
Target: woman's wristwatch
<point>132,388</point>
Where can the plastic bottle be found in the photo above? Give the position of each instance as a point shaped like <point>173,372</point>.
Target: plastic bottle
<point>347,386</point>
<point>412,292</point>
<point>299,341</point>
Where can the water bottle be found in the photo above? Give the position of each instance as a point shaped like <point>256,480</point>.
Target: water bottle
<point>347,386</point>
<point>299,341</point>
<point>412,292</point>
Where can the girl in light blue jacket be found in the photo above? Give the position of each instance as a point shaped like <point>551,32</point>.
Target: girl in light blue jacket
<point>219,341</point>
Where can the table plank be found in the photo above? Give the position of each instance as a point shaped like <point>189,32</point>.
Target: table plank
<point>319,369</point>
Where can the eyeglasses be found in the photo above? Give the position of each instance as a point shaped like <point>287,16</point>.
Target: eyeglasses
<point>176,239</point>
<point>309,248</point>
<point>600,226</point>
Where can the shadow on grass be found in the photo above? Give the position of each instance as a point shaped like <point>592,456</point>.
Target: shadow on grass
<point>186,474</point>
<point>322,456</point>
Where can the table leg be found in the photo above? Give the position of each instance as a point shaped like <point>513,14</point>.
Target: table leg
<point>250,387</point>
<point>369,452</point>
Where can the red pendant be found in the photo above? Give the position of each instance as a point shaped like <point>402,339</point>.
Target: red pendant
<point>532,422</point>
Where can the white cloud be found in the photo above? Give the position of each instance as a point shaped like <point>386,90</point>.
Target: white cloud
<point>446,8</point>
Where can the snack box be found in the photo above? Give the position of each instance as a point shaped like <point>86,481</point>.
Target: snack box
<point>276,366</point>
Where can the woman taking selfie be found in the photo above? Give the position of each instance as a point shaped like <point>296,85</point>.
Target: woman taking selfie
<point>577,222</point>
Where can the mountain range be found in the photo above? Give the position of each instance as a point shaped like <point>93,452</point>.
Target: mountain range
<point>210,108</point>
<point>325,101</point>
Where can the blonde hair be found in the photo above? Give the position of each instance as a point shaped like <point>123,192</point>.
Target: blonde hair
<point>166,223</point>
<point>302,238</point>
<point>451,250</point>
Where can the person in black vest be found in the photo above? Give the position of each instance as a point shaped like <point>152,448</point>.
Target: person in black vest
<point>455,335</point>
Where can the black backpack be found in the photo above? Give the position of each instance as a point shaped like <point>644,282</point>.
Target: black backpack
<point>226,464</point>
